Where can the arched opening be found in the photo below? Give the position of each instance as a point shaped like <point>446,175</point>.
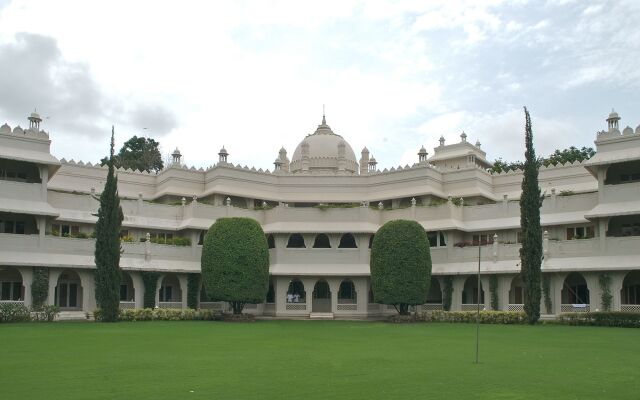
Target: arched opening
<point>68,292</point>
<point>347,293</point>
<point>296,292</point>
<point>630,293</point>
<point>321,242</point>
<point>371,240</point>
<point>435,292</point>
<point>470,292</point>
<point>321,297</point>
<point>271,293</point>
<point>11,288</point>
<point>271,242</point>
<point>170,295</point>
<point>575,292</point>
<point>127,291</point>
<point>517,293</point>
<point>296,241</point>
<point>347,241</point>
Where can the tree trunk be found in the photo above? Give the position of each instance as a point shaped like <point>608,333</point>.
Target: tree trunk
<point>403,309</point>
<point>237,307</point>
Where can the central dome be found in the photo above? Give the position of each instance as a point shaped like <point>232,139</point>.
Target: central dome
<point>324,152</point>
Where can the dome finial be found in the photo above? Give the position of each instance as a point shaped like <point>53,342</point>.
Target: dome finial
<point>324,120</point>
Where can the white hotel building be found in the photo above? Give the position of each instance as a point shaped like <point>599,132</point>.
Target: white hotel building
<point>320,210</point>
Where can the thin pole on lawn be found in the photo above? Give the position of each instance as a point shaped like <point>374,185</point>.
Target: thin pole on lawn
<point>478,310</point>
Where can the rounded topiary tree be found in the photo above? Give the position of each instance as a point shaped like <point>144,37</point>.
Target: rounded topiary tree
<point>235,262</point>
<point>400,265</point>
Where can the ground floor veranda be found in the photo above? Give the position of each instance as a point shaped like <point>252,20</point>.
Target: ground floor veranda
<point>300,296</point>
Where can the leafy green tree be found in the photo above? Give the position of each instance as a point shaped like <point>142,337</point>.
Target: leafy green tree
<point>193,285</point>
<point>235,262</point>
<point>107,251</point>
<point>569,155</point>
<point>138,153</point>
<point>400,265</point>
<point>531,251</point>
<point>503,166</point>
<point>150,280</point>
<point>39,287</point>
<point>558,157</point>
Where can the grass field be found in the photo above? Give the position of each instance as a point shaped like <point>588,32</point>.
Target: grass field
<point>298,360</point>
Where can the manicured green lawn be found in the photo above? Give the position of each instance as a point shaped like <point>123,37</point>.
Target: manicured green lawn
<point>301,360</point>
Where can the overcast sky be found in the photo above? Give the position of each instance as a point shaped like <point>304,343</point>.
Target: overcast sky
<point>253,76</point>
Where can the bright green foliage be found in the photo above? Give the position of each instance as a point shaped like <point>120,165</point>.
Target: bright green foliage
<point>235,262</point>
<point>493,289</point>
<point>107,252</point>
<point>531,251</point>
<point>150,280</point>
<point>193,285</point>
<point>569,155</point>
<point>39,287</point>
<point>138,153</point>
<point>400,265</point>
<point>447,293</point>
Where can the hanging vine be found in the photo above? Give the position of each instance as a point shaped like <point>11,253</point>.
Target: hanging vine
<point>546,289</point>
<point>493,288</point>
<point>605,289</point>
<point>447,291</point>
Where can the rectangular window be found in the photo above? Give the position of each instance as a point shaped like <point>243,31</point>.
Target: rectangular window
<point>123,292</point>
<point>75,230</point>
<point>436,239</point>
<point>482,240</point>
<point>20,227</point>
<point>17,291</point>
<point>581,232</point>
<point>65,230</point>
<point>8,226</point>
<point>6,291</point>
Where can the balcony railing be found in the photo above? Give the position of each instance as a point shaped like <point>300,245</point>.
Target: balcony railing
<point>170,304</point>
<point>516,307</point>
<point>575,308</point>
<point>630,308</point>
<point>127,305</point>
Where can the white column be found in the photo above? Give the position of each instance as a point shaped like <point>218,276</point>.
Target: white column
<point>27,280</point>
<point>158,283</point>
<point>504,287</point>
<point>362,290</point>
<point>556,284</point>
<point>595,293</point>
<point>54,274</point>
<point>309,284</point>
<point>281,285</point>
<point>87,281</point>
<point>334,286</point>
<point>182,278</point>
<point>484,286</point>
<point>456,295</point>
<point>138,288</point>
<point>617,280</point>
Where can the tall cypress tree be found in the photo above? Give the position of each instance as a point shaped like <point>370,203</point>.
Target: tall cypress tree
<point>531,251</point>
<point>107,254</point>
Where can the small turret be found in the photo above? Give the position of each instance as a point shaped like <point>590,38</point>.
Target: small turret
<point>422,155</point>
<point>222,155</point>
<point>34,121</point>
<point>175,158</point>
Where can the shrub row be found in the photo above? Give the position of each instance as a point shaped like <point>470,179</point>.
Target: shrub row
<point>608,318</point>
<point>486,317</point>
<point>16,312</point>
<point>163,314</point>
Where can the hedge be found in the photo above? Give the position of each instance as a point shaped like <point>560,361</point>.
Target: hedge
<point>163,314</point>
<point>486,317</point>
<point>235,262</point>
<point>400,265</point>
<point>17,312</point>
<point>603,318</point>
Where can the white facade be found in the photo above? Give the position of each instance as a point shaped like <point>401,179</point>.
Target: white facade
<point>331,203</point>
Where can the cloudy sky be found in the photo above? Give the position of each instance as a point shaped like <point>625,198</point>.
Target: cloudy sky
<point>253,76</point>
